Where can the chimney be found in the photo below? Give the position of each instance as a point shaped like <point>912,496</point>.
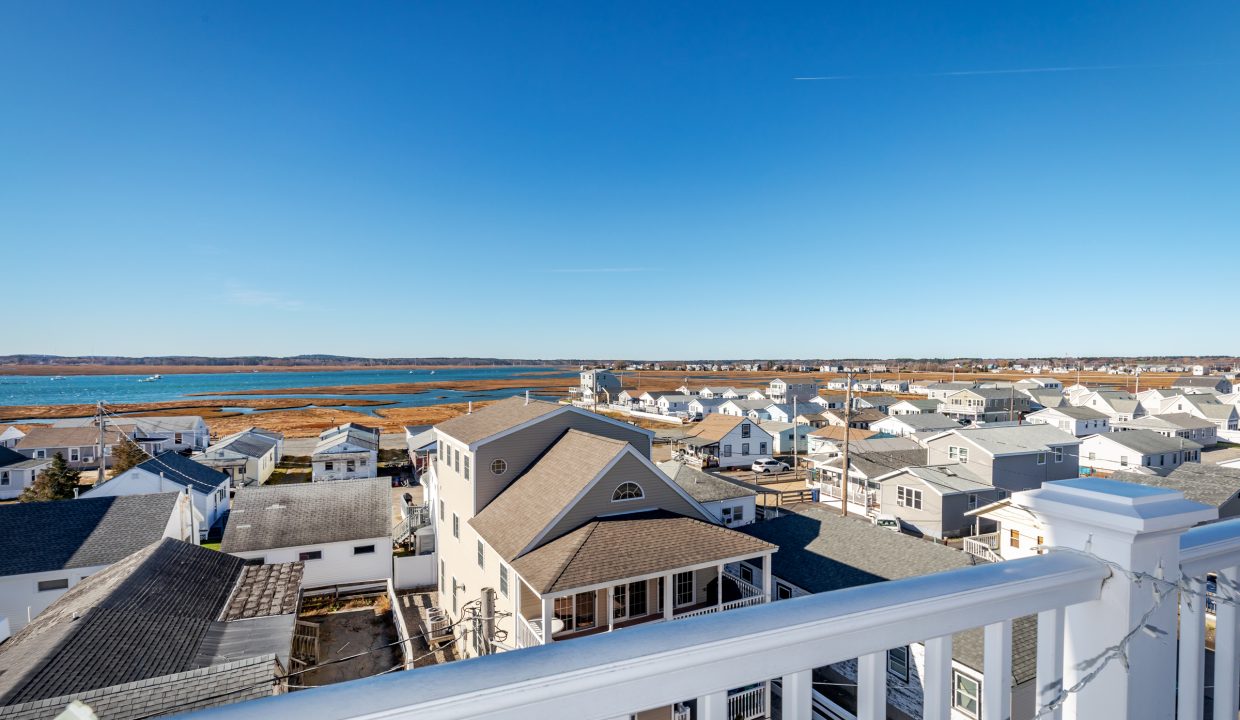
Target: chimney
<point>470,409</point>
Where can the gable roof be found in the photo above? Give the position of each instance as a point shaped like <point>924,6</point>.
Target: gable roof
<point>874,464</point>
<point>1208,381</point>
<point>1147,442</point>
<point>1072,411</point>
<point>179,469</point>
<point>921,422</point>
<point>704,486</point>
<point>332,440</point>
<point>1012,439</point>
<point>1168,421</point>
<point>838,432</point>
<point>919,403</point>
<point>714,427</point>
<point>654,541</point>
<point>57,437</point>
<point>148,615</point>
<point>249,442</point>
<point>277,516</point>
<point>947,479</point>
<point>494,419</point>
<point>44,536</point>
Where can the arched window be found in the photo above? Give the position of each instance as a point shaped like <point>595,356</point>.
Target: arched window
<point>498,466</point>
<point>628,491</point>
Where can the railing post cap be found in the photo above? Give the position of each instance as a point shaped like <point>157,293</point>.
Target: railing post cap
<point>1110,504</point>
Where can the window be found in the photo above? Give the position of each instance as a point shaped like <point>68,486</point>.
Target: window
<point>683,589</point>
<point>40,454</point>
<point>964,456</point>
<point>1123,460</point>
<point>361,463</point>
<point>966,692</point>
<point>745,430</point>
<point>503,579</point>
<point>1058,454</point>
<point>972,501</point>
<point>456,526</point>
<point>482,556</point>
<point>585,609</point>
<point>1092,456</point>
<point>897,662</point>
<point>329,465</point>
<point>458,460</point>
<point>176,438</point>
<point>74,455</point>
<point>744,448</point>
<point>466,467</point>
<point>746,573</point>
<point>1014,538</point>
<point>1041,458</point>
<point>441,511</point>
<point>782,591</point>
<point>4,477</point>
<point>363,549</point>
<point>761,448</point>
<point>733,514</point>
<point>498,467</point>
<point>628,491</point>
<point>727,451</point>
<point>350,466</point>
<point>908,497</point>
<point>310,555</point>
<point>61,584</point>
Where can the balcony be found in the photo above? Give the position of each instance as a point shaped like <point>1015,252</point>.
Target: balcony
<point>1120,604</point>
<point>984,547</point>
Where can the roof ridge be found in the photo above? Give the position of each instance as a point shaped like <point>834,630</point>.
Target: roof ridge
<point>559,573</point>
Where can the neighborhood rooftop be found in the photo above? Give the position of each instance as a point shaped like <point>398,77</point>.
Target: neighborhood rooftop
<point>275,516</point>
<point>495,418</point>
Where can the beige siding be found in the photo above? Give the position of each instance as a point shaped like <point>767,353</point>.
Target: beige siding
<point>522,448</point>
<point>659,495</point>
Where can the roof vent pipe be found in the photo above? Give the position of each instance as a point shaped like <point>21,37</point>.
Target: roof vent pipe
<point>527,397</point>
<point>470,409</point>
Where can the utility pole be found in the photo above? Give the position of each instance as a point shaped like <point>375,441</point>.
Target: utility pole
<point>101,422</point>
<point>847,434</point>
<point>795,467</point>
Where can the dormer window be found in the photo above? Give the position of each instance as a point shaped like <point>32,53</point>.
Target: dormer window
<point>628,491</point>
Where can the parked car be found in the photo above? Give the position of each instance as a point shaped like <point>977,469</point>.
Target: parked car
<point>769,465</point>
<point>889,522</point>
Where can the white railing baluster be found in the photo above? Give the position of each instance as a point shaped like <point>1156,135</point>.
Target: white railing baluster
<point>713,706</point>
<point>937,676</point>
<point>1050,661</point>
<point>1226,670</point>
<point>872,686</point>
<point>797,695</point>
<point>997,677</point>
<point>1190,700</point>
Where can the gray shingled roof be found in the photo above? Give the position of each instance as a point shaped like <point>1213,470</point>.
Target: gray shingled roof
<point>1209,484</point>
<point>247,442</point>
<point>38,537</point>
<point>875,464</point>
<point>1148,442</point>
<point>704,486</point>
<point>927,421</point>
<point>1075,412</point>
<point>143,617</point>
<point>185,472</point>
<point>277,516</point>
<point>495,418</point>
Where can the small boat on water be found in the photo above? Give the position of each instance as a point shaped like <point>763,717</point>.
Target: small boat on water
<point>58,377</point>
<point>152,378</point>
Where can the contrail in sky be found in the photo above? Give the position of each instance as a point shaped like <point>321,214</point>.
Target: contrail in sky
<point>1013,71</point>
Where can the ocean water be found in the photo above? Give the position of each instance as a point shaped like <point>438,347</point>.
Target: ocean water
<point>73,389</point>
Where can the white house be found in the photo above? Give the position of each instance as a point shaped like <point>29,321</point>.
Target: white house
<point>741,408</point>
<point>173,472</point>
<point>346,452</point>
<point>895,386</point>
<point>1204,406</point>
<point>1143,450</point>
<point>701,407</point>
<point>341,530</point>
<point>744,393</point>
<point>674,404</point>
<point>916,406</point>
<point>10,435</point>
<point>732,504</point>
<point>1013,532</point>
<point>782,434</point>
<point>1116,404</point>
<point>17,472</point>
<point>247,457</point>
<point>828,402</point>
<point>1080,421</point>
<point>51,546</point>
<point>726,441</point>
<point>1175,425</point>
<point>906,425</point>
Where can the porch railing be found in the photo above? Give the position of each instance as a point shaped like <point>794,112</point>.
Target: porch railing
<point>529,632</point>
<point>732,605</point>
<point>747,704</point>
<point>746,588</point>
<point>1105,643</point>
<point>983,546</point>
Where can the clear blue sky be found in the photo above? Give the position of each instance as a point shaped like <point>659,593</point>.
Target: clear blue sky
<point>629,179</point>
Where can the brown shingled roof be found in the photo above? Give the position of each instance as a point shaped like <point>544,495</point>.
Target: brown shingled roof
<point>836,432</point>
<point>512,520</point>
<point>495,418</point>
<point>713,427</point>
<point>625,546</point>
<point>57,437</point>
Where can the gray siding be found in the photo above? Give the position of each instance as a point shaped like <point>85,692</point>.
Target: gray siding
<point>520,449</point>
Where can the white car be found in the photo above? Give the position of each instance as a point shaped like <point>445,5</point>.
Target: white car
<point>769,465</point>
<point>889,522</point>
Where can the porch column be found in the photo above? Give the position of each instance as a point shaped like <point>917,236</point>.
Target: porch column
<point>669,594</point>
<point>767,586</point>
<point>713,706</point>
<point>719,595</point>
<point>611,609</point>
<point>1138,529</point>
<point>548,616</point>
<point>796,695</point>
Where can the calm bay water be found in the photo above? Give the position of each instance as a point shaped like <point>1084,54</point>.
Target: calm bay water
<point>73,389</point>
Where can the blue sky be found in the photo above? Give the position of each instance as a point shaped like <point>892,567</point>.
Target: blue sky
<point>630,179</point>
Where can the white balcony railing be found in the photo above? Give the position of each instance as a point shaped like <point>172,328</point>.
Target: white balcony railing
<point>731,605</point>
<point>529,632</point>
<point>983,546</point>
<point>1106,644</point>
<point>747,704</point>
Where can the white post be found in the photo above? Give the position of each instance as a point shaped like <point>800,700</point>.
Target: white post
<point>668,595</point>
<point>548,616</point>
<point>611,608</point>
<point>872,686</point>
<point>1226,669</point>
<point>997,664</point>
<point>1050,662</point>
<point>936,702</point>
<point>713,706</point>
<point>1192,650</point>
<point>767,585</point>
<point>795,695</point>
<point>719,583</point>
<point>1138,529</point>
